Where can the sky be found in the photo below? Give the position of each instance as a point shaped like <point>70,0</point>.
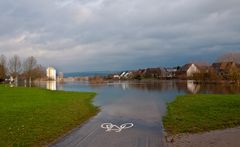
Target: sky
<point>100,35</point>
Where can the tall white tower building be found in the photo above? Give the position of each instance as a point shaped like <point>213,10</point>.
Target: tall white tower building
<point>51,73</point>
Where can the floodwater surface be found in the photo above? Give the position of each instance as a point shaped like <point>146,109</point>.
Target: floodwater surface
<point>131,112</point>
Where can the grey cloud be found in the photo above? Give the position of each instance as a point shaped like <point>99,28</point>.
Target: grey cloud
<point>77,35</point>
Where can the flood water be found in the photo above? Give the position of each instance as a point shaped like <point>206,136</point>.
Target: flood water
<point>143,104</point>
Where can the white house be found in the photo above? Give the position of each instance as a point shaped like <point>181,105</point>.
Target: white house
<point>190,69</point>
<point>116,76</point>
<point>122,74</point>
<point>51,73</point>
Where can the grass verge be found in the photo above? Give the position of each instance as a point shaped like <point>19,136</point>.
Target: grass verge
<point>202,112</point>
<point>35,117</point>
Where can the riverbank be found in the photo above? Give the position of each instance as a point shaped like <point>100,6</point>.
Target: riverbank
<point>202,112</point>
<point>35,117</point>
<point>190,115</point>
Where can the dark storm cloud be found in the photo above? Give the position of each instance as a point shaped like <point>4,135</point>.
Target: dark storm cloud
<point>77,35</point>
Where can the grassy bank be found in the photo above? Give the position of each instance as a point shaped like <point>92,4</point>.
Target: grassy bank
<point>35,117</point>
<point>202,112</point>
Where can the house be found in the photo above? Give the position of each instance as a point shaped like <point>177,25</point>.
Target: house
<point>150,73</point>
<point>223,68</point>
<point>171,72</point>
<point>188,70</point>
<point>116,76</point>
<point>60,77</point>
<point>126,75</point>
<point>51,73</point>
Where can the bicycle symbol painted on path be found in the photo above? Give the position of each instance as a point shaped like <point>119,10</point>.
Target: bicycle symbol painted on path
<point>111,127</point>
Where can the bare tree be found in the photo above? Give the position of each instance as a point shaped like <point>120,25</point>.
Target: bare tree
<point>3,67</point>
<point>39,72</point>
<point>230,57</point>
<point>29,64</point>
<point>234,74</point>
<point>14,66</point>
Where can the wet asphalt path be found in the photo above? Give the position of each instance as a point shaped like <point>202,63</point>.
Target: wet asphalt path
<point>92,135</point>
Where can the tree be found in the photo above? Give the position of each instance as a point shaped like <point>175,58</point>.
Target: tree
<point>3,67</point>
<point>29,64</point>
<point>14,66</point>
<point>234,74</point>
<point>230,57</point>
<point>39,72</point>
<point>206,76</point>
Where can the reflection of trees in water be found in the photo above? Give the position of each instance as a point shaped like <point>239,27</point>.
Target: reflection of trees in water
<point>220,88</point>
<point>97,85</point>
<point>96,82</point>
<point>154,85</point>
<point>180,86</point>
<point>208,88</point>
<point>185,86</point>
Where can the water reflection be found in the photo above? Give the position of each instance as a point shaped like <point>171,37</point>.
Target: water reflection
<point>185,86</point>
<point>142,103</point>
<point>188,87</point>
<point>51,85</point>
<point>192,87</point>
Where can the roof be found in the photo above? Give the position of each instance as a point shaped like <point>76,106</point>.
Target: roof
<point>51,68</point>
<point>185,67</point>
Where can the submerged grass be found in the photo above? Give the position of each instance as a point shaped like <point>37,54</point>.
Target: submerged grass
<point>202,112</point>
<point>35,117</point>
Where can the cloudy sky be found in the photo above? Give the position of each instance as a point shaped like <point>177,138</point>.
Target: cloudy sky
<point>96,35</point>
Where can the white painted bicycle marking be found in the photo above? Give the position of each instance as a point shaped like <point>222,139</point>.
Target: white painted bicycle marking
<point>111,127</point>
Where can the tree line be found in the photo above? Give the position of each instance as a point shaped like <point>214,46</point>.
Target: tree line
<point>229,70</point>
<point>27,69</point>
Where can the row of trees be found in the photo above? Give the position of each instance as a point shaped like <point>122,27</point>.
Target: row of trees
<point>27,69</point>
<point>230,57</point>
<point>232,72</point>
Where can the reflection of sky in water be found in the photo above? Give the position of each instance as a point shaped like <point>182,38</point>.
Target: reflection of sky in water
<point>140,103</point>
<point>135,101</point>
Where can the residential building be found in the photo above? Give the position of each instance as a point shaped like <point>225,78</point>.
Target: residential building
<point>171,72</point>
<point>51,73</point>
<point>188,70</point>
<point>60,77</point>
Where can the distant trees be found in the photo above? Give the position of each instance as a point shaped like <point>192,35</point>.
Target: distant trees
<point>234,70</point>
<point>230,57</point>
<point>3,67</point>
<point>138,77</point>
<point>14,66</point>
<point>234,74</point>
<point>38,72</point>
<point>27,70</point>
<point>205,76</point>
<point>28,66</point>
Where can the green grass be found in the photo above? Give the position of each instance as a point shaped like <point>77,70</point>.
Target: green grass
<point>202,112</point>
<point>35,117</point>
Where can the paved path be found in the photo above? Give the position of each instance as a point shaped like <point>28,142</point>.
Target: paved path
<point>217,138</point>
<point>143,108</point>
<point>92,135</point>
<point>146,132</point>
